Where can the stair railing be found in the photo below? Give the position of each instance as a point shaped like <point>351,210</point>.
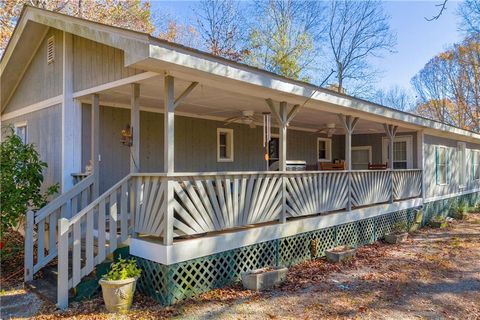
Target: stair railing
<point>103,225</point>
<point>41,226</point>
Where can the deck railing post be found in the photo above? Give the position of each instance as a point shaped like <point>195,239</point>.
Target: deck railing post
<point>29,246</point>
<point>62,281</point>
<point>349,182</point>
<point>283,217</point>
<point>392,196</point>
<point>168,211</point>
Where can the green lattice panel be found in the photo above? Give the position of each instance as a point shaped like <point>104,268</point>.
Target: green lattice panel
<point>366,231</point>
<point>170,284</point>
<point>347,234</point>
<point>296,249</point>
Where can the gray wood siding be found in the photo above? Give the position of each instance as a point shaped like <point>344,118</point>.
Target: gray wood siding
<point>44,131</point>
<point>95,64</point>
<point>195,145</point>
<point>41,80</point>
<point>432,188</point>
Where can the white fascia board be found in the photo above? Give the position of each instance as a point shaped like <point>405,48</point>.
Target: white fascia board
<point>222,68</point>
<point>195,248</point>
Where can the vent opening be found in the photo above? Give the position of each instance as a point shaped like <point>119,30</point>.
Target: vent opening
<point>51,50</point>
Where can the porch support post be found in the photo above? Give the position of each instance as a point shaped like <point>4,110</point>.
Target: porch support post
<point>135,128</point>
<point>282,165</point>
<point>349,124</point>
<point>170,103</point>
<point>95,144</point>
<point>420,158</point>
<point>391,131</point>
<point>283,117</point>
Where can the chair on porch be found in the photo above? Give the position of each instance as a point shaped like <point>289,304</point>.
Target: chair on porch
<point>332,166</point>
<point>377,166</point>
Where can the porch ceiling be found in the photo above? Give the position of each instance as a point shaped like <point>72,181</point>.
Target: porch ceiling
<point>219,104</point>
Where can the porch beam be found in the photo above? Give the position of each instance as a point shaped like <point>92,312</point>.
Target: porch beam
<point>135,127</point>
<point>169,119</point>
<point>185,94</point>
<point>95,144</point>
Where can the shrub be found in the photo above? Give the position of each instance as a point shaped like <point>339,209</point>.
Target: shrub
<point>399,227</point>
<point>438,218</point>
<point>123,269</point>
<point>21,177</point>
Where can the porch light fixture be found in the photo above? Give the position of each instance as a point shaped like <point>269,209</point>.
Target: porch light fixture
<point>127,139</point>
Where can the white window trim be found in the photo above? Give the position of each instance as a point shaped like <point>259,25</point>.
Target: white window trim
<point>369,148</point>
<point>462,167</point>
<point>229,140</point>
<point>475,153</point>
<point>20,124</point>
<point>328,146</point>
<point>446,165</point>
<point>408,139</point>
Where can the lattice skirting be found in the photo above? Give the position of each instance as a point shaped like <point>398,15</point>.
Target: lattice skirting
<point>170,284</point>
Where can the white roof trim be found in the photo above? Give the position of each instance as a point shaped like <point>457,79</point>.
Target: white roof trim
<point>224,69</point>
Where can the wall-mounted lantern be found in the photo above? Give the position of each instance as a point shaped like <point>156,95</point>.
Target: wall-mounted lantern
<point>127,139</point>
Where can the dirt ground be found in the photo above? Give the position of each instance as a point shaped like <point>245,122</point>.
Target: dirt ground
<point>434,275</point>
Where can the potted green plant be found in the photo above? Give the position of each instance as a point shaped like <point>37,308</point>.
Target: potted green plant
<point>438,221</point>
<point>118,285</point>
<point>399,233</point>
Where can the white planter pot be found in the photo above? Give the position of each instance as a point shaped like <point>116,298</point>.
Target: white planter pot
<point>259,280</point>
<point>118,294</point>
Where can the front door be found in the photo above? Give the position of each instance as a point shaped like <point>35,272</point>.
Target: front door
<point>273,150</point>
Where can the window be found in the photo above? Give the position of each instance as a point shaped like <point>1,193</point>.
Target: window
<point>462,164</point>
<point>21,130</point>
<point>476,165</point>
<point>273,150</point>
<point>441,156</point>
<point>224,145</point>
<point>361,157</point>
<point>402,152</point>
<point>324,149</point>
<point>51,50</point>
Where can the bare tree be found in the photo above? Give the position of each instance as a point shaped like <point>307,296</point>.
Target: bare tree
<point>357,31</point>
<point>448,87</point>
<point>469,12</point>
<point>285,35</point>
<point>221,26</point>
<point>394,97</point>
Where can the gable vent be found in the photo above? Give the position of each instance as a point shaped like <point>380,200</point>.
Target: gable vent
<point>51,50</point>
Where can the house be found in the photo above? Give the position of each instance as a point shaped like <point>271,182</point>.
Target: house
<point>205,167</point>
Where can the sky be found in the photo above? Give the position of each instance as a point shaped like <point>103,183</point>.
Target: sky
<point>418,40</point>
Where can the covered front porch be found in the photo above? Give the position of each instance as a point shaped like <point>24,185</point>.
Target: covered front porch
<point>193,165</point>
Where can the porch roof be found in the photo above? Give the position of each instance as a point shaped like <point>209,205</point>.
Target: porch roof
<point>224,76</point>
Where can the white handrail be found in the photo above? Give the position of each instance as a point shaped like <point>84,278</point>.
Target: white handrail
<point>60,200</point>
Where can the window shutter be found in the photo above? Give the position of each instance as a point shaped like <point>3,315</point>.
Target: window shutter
<point>436,165</point>
<point>447,165</point>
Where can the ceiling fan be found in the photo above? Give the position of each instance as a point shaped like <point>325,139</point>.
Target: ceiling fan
<point>329,129</point>
<point>246,117</point>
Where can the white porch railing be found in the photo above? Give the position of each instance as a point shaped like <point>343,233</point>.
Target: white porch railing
<point>206,202</point>
<point>41,226</point>
<point>86,239</point>
<point>185,204</point>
